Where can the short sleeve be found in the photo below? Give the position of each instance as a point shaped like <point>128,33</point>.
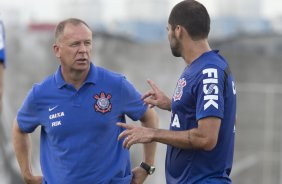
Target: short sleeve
<point>132,104</point>
<point>27,114</point>
<point>2,43</point>
<point>210,93</point>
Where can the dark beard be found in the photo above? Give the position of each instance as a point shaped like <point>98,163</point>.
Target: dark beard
<point>175,50</point>
<point>175,46</point>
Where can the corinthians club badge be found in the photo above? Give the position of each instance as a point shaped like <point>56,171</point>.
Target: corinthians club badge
<point>103,103</point>
<point>179,89</point>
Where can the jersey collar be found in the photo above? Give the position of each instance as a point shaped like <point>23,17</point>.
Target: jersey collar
<point>91,78</point>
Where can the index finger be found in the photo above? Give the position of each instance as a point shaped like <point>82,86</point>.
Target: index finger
<point>152,84</point>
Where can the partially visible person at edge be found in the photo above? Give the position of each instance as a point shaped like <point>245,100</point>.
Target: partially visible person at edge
<point>2,62</point>
<point>6,164</point>
<point>77,109</point>
<point>200,142</point>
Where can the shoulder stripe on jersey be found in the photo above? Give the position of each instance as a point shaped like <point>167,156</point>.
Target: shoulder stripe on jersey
<point>227,71</point>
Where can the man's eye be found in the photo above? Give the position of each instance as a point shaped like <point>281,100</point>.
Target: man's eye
<point>87,43</point>
<point>74,44</point>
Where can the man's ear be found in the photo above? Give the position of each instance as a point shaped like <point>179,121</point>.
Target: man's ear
<point>56,50</point>
<point>179,31</point>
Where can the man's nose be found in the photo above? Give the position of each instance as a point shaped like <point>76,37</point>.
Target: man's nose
<point>82,48</point>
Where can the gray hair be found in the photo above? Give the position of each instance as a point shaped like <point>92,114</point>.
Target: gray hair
<point>61,26</point>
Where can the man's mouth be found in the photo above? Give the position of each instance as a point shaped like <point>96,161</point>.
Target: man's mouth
<point>82,60</point>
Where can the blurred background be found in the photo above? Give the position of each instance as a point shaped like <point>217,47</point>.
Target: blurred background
<point>130,37</point>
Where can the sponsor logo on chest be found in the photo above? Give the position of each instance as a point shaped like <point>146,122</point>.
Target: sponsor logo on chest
<point>56,115</point>
<point>210,88</point>
<point>56,123</point>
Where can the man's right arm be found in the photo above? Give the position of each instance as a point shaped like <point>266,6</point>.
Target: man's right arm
<point>22,148</point>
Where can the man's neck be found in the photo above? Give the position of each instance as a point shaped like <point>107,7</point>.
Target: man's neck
<point>194,50</point>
